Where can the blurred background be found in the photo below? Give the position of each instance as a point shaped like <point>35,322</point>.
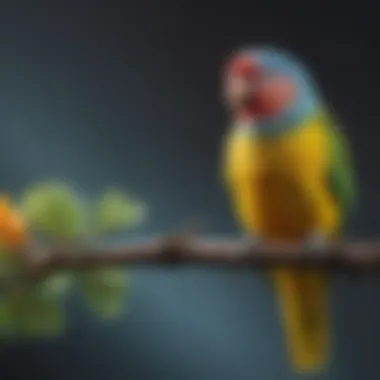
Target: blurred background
<point>127,93</point>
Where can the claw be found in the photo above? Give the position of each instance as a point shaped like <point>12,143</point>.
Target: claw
<point>253,240</point>
<point>316,241</point>
<point>256,242</point>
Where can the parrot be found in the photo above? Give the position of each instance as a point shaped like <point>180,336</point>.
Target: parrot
<point>289,175</point>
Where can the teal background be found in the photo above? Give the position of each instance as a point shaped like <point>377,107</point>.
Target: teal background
<point>127,93</point>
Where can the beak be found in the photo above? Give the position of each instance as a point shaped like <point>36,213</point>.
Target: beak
<point>240,92</point>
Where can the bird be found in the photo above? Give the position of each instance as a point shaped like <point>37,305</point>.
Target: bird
<point>288,170</point>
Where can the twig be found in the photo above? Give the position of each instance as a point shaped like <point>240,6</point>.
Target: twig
<point>182,249</point>
<point>349,257</point>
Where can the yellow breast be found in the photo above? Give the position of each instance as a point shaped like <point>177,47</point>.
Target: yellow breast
<point>277,184</point>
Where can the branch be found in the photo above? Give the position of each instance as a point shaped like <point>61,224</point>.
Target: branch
<point>349,257</point>
<point>183,249</point>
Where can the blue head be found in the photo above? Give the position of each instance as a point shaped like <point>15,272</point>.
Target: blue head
<point>270,86</point>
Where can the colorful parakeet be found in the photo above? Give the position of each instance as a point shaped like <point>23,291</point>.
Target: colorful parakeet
<point>288,171</point>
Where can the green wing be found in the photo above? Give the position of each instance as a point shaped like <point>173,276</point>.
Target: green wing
<point>342,174</point>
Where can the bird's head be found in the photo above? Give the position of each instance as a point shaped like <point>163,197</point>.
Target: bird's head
<point>265,83</point>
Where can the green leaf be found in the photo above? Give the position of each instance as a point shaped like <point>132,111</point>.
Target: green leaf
<point>6,317</point>
<point>54,208</point>
<point>10,262</point>
<point>11,265</point>
<point>37,315</point>
<point>117,211</point>
<point>56,285</point>
<point>105,291</point>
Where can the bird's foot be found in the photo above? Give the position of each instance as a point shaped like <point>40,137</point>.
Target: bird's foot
<point>315,242</point>
<point>253,241</point>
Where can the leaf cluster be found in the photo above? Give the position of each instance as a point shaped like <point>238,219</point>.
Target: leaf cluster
<point>57,213</point>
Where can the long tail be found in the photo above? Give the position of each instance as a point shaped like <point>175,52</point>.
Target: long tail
<point>303,303</point>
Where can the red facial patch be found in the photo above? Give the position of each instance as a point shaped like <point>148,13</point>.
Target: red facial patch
<point>275,95</point>
<point>242,66</point>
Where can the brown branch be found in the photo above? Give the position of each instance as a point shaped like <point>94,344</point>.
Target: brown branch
<point>350,257</point>
<point>344,256</point>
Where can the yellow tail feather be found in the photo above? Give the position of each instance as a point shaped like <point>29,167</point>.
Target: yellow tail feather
<point>304,309</point>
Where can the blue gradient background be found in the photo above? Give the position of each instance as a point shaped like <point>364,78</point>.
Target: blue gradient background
<point>127,93</point>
